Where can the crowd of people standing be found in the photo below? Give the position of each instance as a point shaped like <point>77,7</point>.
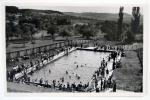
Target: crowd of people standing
<point>99,75</point>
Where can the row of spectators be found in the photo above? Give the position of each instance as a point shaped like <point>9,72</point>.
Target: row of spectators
<point>37,62</point>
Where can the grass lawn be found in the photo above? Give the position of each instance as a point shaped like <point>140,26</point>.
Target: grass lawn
<point>129,76</point>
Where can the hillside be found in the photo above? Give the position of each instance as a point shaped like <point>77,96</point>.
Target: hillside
<point>101,16</point>
<point>13,9</point>
<point>73,15</point>
<point>40,11</point>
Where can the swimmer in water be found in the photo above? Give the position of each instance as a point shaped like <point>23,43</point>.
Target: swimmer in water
<point>35,80</point>
<point>77,66</point>
<point>66,72</point>
<point>49,71</point>
<point>75,62</point>
<point>78,77</point>
<point>62,79</point>
<point>69,77</point>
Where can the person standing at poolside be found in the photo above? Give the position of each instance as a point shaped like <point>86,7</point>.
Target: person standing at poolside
<point>31,64</point>
<point>114,86</point>
<point>103,63</point>
<point>77,66</point>
<point>101,84</point>
<point>49,71</point>
<point>66,72</point>
<point>107,71</point>
<point>41,81</point>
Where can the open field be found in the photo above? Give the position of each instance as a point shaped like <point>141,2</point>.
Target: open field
<point>129,76</point>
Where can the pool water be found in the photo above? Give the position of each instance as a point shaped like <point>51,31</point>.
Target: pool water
<point>87,61</point>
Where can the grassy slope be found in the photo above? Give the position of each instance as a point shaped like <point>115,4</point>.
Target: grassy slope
<point>129,77</point>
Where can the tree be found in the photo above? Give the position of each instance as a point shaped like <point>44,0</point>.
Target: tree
<point>87,31</point>
<point>8,31</point>
<point>33,30</point>
<point>130,37</point>
<point>140,29</point>
<point>120,23</point>
<point>77,29</point>
<point>37,22</point>
<point>12,9</point>
<point>11,30</point>
<point>27,32</point>
<point>65,33</point>
<point>110,28</point>
<point>52,30</point>
<point>63,20</point>
<point>135,21</point>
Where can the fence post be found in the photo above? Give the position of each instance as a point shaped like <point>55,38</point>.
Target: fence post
<point>39,49</point>
<point>18,53</point>
<point>26,52</point>
<point>32,50</point>
<point>8,56</point>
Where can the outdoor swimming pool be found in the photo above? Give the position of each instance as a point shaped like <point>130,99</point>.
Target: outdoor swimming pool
<point>87,61</point>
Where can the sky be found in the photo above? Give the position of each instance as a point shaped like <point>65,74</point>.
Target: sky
<point>80,9</point>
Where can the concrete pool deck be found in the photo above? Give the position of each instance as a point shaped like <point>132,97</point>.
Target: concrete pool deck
<point>95,49</point>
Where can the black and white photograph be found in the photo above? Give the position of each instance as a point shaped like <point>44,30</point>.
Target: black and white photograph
<point>74,49</point>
